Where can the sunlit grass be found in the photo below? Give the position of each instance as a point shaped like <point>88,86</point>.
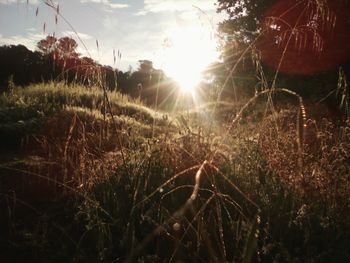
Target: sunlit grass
<point>174,179</point>
<point>59,95</point>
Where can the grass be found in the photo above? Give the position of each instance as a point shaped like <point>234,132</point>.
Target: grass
<point>24,108</point>
<point>150,186</point>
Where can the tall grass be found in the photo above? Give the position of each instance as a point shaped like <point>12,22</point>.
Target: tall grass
<point>163,202</point>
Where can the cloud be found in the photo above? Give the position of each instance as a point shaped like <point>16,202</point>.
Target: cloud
<point>107,3</point>
<point>156,6</point>
<point>32,29</point>
<point>29,40</point>
<point>82,36</point>
<point>10,2</point>
<point>118,5</point>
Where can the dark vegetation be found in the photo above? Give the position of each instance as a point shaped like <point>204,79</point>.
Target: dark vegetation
<point>57,60</point>
<point>91,173</point>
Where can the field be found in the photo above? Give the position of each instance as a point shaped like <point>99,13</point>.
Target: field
<point>89,176</point>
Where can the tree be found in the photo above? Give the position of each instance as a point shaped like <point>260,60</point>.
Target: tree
<point>48,45</point>
<point>145,66</point>
<point>244,21</point>
<point>24,65</point>
<point>67,47</point>
<point>301,31</point>
<point>289,39</point>
<point>238,33</point>
<point>62,48</point>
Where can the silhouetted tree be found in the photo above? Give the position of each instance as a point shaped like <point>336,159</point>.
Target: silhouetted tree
<point>67,47</point>
<point>24,65</point>
<point>57,59</point>
<point>244,19</point>
<point>48,45</point>
<point>237,33</point>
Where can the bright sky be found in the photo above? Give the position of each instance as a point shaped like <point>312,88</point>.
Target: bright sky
<point>167,32</point>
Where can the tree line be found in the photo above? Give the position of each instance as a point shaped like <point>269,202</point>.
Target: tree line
<point>57,59</point>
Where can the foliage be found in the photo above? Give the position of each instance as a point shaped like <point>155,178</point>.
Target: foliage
<point>261,46</point>
<point>57,60</point>
<point>325,159</point>
<point>245,17</point>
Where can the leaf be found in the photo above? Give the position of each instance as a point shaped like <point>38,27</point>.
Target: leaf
<point>342,103</point>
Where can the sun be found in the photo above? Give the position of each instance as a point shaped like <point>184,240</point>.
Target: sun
<point>187,52</point>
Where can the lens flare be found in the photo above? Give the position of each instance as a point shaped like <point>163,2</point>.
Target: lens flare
<point>187,53</point>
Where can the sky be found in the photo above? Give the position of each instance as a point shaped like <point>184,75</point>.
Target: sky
<point>158,30</point>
